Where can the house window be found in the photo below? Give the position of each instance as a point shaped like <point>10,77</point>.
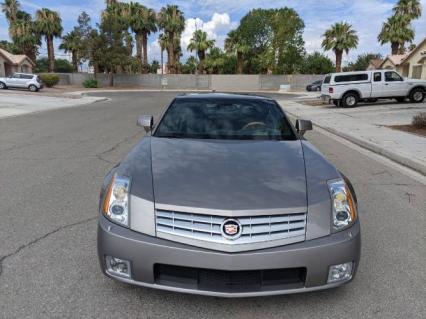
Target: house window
<point>417,71</point>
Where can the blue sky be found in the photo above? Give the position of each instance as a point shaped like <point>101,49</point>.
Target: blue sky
<point>217,17</point>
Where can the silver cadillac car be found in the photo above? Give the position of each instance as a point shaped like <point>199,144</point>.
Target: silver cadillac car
<point>224,197</point>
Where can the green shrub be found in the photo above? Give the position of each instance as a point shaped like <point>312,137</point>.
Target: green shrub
<point>49,79</point>
<point>91,83</point>
<point>419,120</point>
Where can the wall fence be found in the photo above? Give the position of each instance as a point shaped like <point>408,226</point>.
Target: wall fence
<point>216,82</point>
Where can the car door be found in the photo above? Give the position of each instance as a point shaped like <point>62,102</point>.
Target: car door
<point>378,86</point>
<point>14,80</point>
<point>394,85</point>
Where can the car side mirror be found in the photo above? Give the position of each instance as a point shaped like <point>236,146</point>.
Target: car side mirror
<point>302,126</point>
<point>147,122</point>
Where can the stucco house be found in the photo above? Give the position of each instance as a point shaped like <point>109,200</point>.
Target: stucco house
<point>411,64</point>
<point>10,63</point>
<point>395,62</point>
<point>374,64</point>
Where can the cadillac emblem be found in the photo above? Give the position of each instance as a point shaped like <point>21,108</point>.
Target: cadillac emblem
<point>231,229</point>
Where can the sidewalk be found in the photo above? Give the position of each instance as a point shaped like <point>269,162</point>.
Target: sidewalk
<point>19,104</point>
<point>366,127</point>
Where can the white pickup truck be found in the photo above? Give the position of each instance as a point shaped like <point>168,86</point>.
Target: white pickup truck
<point>348,88</point>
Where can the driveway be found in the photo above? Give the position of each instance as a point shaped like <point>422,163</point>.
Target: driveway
<point>51,168</point>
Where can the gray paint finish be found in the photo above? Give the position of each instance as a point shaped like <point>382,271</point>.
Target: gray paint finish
<point>318,172</point>
<point>228,175</point>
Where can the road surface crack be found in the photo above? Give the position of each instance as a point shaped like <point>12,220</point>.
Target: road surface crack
<point>35,241</point>
<point>101,155</point>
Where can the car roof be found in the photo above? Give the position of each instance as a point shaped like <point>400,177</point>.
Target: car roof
<point>216,95</point>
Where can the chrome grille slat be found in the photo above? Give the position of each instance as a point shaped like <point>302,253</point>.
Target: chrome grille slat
<point>207,228</point>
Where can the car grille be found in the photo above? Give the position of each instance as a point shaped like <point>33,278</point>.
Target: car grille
<point>229,281</point>
<point>255,229</point>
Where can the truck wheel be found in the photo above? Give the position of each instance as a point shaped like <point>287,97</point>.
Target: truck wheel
<point>3,86</point>
<point>400,99</point>
<point>417,95</point>
<point>33,88</point>
<point>350,100</point>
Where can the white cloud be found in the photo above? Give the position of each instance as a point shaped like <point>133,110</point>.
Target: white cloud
<point>216,28</point>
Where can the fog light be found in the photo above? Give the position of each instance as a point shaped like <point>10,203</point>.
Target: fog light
<point>118,267</point>
<point>340,272</point>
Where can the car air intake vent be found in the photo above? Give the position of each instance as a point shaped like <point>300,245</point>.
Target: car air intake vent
<point>229,281</point>
<point>263,231</point>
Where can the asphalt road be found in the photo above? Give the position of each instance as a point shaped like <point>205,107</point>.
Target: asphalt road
<point>51,168</point>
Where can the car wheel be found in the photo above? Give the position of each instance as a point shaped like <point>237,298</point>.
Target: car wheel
<point>33,88</point>
<point>3,86</point>
<point>417,95</point>
<point>400,99</point>
<point>350,100</point>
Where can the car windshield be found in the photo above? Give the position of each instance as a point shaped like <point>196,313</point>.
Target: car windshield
<point>227,118</point>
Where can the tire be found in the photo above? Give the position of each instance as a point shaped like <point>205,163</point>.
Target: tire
<point>308,89</point>
<point>336,103</point>
<point>417,95</point>
<point>350,100</point>
<point>400,99</point>
<point>33,88</point>
<point>3,86</point>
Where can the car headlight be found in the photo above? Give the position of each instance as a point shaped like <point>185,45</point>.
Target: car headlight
<point>344,211</point>
<point>116,202</point>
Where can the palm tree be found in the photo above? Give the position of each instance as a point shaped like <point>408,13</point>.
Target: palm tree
<point>396,31</point>
<point>49,25</point>
<point>409,8</point>
<point>71,42</point>
<point>234,44</point>
<point>143,22</point>
<point>340,38</point>
<point>24,37</point>
<point>10,8</point>
<point>172,21</point>
<point>163,41</point>
<point>200,44</point>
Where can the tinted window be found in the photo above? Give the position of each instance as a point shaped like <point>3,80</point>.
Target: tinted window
<point>392,77</point>
<point>26,76</point>
<point>327,79</point>
<point>16,76</point>
<point>225,119</point>
<point>351,78</point>
<point>377,76</point>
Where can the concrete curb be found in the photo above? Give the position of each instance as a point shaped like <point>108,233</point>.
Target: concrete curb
<point>397,158</point>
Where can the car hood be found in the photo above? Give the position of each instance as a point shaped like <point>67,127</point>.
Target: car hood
<point>228,175</point>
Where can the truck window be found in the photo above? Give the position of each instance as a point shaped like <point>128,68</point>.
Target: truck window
<point>351,78</point>
<point>377,76</point>
<point>327,79</point>
<point>392,77</point>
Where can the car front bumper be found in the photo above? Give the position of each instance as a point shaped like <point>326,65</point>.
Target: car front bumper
<point>145,252</point>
